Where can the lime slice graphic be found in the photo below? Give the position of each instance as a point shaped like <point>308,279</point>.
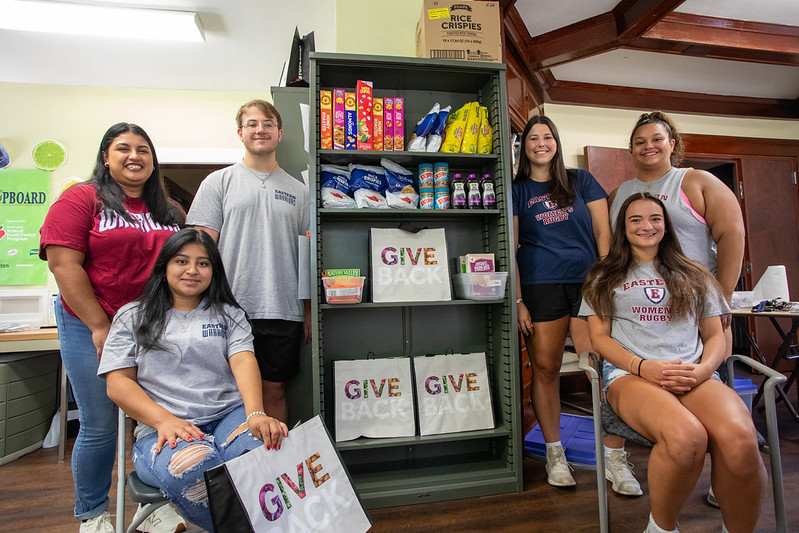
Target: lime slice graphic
<point>49,155</point>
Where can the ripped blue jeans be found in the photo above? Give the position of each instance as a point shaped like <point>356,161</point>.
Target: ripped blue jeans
<point>178,471</point>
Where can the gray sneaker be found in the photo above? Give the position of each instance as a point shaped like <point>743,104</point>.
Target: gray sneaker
<point>620,473</point>
<point>558,473</point>
<point>165,519</point>
<point>99,524</point>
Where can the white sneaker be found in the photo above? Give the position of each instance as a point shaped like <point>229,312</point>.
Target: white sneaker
<point>558,473</point>
<point>165,519</point>
<point>711,499</point>
<point>619,472</point>
<point>99,524</point>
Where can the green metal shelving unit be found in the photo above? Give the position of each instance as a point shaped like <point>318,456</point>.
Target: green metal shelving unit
<point>418,469</point>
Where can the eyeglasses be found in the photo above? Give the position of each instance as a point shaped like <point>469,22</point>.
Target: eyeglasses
<point>266,124</point>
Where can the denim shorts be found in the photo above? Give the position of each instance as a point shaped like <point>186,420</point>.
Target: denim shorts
<point>611,373</point>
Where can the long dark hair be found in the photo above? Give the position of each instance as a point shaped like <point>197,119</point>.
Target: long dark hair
<point>686,280</point>
<point>659,117</point>
<point>162,209</point>
<point>563,183</point>
<point>156,300</point>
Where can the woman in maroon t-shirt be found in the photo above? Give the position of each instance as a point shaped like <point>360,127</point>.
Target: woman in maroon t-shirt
<point>100,240</point>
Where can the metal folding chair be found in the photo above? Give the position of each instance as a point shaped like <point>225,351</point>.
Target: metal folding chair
<point>605,418</point>
<point>139,491</point>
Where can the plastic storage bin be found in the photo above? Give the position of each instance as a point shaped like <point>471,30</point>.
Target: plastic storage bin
<point>577,436</point>
<point>483,286</point>
<point>344,289</point>
<point>746,389</point>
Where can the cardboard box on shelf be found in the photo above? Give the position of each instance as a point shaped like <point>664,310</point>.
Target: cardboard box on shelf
<point>466,30</point>
<point>350,121</point>
<point>388,124</point>
<point>377,115</point>
<point>339,121</point>
<point>365,126</point>
<point>326,120</point>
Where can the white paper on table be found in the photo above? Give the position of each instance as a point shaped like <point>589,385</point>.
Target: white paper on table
<point>773,284</point>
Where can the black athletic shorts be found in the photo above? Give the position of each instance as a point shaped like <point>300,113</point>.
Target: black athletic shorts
<point>277,348</point>
<point>551,301</point>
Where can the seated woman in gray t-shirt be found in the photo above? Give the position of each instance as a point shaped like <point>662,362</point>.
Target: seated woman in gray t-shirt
<point>655,317</point>
<point>179,360</point>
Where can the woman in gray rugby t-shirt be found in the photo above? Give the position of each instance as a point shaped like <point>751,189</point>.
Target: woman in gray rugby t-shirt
<point>655,317</point>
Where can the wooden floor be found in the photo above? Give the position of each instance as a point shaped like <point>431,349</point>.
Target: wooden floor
<point>36,496</point>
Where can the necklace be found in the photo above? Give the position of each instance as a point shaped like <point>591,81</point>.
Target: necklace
<point>262,176</point>
<point>185,320</point>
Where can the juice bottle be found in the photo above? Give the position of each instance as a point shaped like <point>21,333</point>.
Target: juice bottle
<point>458,198</point>
<point>473,195</point>
<point>489,197</point>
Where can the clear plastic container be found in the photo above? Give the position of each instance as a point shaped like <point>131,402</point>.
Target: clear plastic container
<point>483,286</point>
<point>344,289</point>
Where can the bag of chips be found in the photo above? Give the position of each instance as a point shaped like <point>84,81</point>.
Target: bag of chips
<point>484,139</point>
<point>400,192</point>
<point>335,186</point>
<point>367,184</point>
<point>419,136</point>
<point>435,136</point>
<point>471,131</point>
<point>453,132</point>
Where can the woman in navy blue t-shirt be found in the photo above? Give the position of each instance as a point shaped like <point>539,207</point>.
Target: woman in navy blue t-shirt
<point>560,225</point>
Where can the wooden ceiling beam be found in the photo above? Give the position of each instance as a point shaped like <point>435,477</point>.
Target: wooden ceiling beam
<point>719,38</point>
<point>594,35</point>
<point>634,17</point>
<point>597,95</point>
<point>505,5</point>
<point>575,41</point>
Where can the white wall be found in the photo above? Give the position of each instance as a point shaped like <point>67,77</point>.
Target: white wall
<point>593,126</point>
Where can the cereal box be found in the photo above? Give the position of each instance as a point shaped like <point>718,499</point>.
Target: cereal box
<point>325,120</point>
<point>476,263</point>
<point>363,90</point>
<point>377,132</point>
<point>338,119</point>
<point>399,124</point>
<point>388,124</point>
<point>350,122</point>
<point>460,29</point>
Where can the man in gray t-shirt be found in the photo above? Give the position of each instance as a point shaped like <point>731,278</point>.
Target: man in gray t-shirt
<point>255,212</point>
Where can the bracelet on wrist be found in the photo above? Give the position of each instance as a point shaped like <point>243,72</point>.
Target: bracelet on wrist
<point>630,366</point>
<point>253,414</point>
<point>640,362</point>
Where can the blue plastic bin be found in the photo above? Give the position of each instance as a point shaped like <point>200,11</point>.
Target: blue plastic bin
<point>577,436</point>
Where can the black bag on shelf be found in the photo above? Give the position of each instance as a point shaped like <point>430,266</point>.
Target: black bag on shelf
<point>298,68</point>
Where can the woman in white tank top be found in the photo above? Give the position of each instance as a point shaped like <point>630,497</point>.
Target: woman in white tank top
<point>705,212</point>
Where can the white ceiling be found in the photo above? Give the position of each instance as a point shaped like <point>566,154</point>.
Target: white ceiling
<point>247,42</point>
<point>632,68</point>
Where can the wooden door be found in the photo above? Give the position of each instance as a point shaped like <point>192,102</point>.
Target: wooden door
<point>772,231</point>
<point>610,166</point>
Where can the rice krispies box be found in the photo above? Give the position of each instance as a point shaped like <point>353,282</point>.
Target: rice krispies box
<point>459,29</point>
<point>363,91</point>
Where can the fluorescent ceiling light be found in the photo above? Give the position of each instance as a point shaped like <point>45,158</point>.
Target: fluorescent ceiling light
<point>101,21</point>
